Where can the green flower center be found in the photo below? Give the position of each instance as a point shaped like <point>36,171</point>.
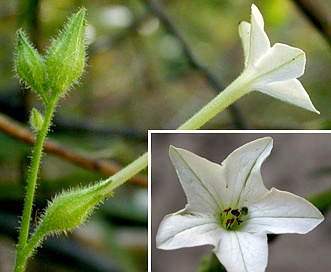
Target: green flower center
<point>232,219</point>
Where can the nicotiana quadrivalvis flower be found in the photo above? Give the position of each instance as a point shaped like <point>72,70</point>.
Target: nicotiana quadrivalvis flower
<point>272,70</point>
<point>230,208</point>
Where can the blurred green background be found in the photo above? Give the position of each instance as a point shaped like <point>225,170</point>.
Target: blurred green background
<point>138,77</point>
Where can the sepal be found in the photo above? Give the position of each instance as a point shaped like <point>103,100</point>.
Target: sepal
<point>71,208</point>
<point>65,60</point>
<point>30,65</point>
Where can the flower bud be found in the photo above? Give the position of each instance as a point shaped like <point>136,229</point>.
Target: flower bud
<point>66,57</point>
<point>71,208</point>
<point>30,65</point>
<point>36,120</point>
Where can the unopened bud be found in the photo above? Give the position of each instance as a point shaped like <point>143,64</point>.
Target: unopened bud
<point>36,120</point>
<point>66,57</point>
<point>30,65</point>
<point>71,208</point>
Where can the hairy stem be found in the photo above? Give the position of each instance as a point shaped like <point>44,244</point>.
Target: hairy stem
<point>31,186</point>
<point>25,249</point>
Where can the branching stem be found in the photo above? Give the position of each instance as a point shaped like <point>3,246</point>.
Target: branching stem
<point>31,186</point>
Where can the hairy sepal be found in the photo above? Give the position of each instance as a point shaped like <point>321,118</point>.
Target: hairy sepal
<point>72,208</point>
<point>66,57</point>
<point>30,65</point>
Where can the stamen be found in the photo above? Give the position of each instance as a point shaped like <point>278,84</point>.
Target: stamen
<point>235,212</point>
<point>231,219</point>
<point>239,221</point>
<point>227,210</point>
<point>229,222</point>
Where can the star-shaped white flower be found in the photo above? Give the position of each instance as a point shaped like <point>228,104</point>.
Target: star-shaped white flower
<point>230,208</point>
<point>272,70</point>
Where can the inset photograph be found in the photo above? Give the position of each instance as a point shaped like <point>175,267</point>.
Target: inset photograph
<point>229,201</point>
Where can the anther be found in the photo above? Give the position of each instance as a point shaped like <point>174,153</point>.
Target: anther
<point>227,211</point>
<point>235,212</point>
<point>229,223</point>
<point>239,221</point>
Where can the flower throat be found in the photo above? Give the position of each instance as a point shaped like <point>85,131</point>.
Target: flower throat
<point>231,219</point>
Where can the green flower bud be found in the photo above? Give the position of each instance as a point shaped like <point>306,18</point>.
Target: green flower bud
<point>66,57</point>
<point>36,120</point>
<point>71,208</point>
<point>30,65</point>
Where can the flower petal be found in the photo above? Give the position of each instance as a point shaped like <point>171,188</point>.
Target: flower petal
<point>185,230</point>
<point>282,62</point>
<point>244,29</point>
<point>259,41</point>
<point>290,91</point>
<point>244,183</point>
<point>200,180</point>
<point>271,70</point>
<point>282,212</point>
<point>244,252</point>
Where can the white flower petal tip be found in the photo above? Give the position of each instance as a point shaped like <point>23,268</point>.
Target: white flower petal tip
<point>283,212</point>
<point>256,15</point>
<point>230,208</point>
<point>265,65</point>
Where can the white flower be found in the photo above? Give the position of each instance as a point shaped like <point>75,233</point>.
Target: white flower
<point>272,70</point>
<point>230,208</point>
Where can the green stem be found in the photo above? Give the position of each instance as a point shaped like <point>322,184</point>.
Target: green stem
<point>127,172</point>
<point>31,186</point>
<point>230,94</point>
<point>233,92</point>
<point>27,251</point>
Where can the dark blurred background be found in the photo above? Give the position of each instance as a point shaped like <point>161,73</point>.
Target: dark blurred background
<point>298,163</point>
<point>152,64</point>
